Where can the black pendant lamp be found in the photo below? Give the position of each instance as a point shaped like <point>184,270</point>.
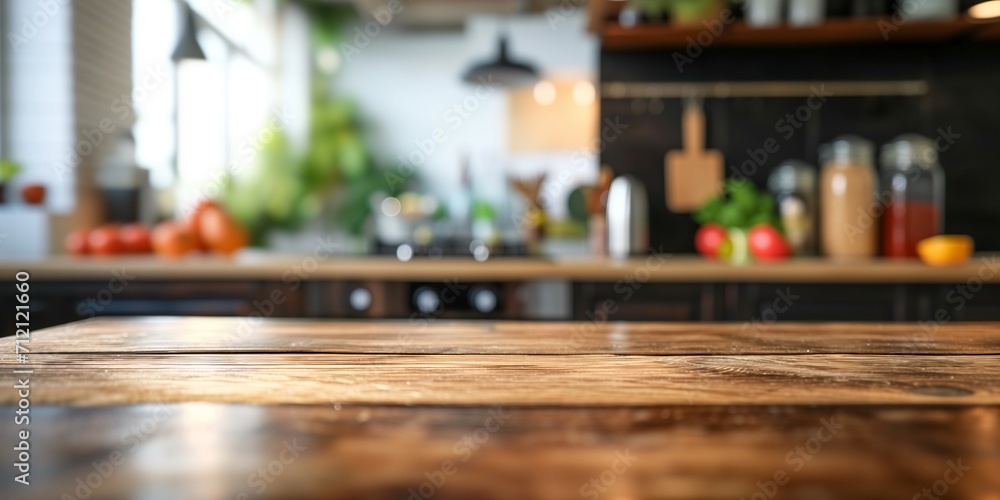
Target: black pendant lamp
<point>502,70</point>
<point>187,46</point>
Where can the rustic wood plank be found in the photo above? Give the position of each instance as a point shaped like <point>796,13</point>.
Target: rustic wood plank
<point>380,452</point>
<point>579,380</point>
<point>707,410</point>
<point>221,335</point>
<point>659,268</point>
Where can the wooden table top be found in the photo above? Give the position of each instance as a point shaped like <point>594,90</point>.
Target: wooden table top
<point>663,268</point>
<point>219,407</point>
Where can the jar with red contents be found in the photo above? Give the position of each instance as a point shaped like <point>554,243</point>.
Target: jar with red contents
<point>913,190</point>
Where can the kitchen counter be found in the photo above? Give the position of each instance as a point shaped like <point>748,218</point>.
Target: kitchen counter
<point>508,409</point>
<point>678,269</point>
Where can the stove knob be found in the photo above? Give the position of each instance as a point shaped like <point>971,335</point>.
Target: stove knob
<point>426,300</point>
<point>483,299</point>
<point>360,299</point>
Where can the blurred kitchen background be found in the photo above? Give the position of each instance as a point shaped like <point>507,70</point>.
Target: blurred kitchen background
<point>520,130</point>
<point>293,114</point>
<point>303,116</point>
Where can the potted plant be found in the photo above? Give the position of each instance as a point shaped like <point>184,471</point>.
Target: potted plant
<point>680,11</point>
<point>8,169</point>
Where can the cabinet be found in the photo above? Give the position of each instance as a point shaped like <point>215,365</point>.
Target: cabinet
<point>770,302</point>
<point>637,301</point>
<point>56,303</point>
<point>963,302</point>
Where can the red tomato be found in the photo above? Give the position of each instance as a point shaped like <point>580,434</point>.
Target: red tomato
<point>173,239</point>
<point>104,241</point>
<point>194,222</point>
<point>33,194</point>
<point>135,238</point>
<point>220,232</point>
<point>708,239</point>
<point>767,243</point>
<point>76,242</point>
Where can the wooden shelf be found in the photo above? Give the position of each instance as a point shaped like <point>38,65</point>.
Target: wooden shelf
<point>671,269</point>
<point>847,31</point>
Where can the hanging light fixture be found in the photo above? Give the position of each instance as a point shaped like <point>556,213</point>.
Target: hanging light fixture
<point>502,70</point>
<point>989,10</point>
<point>187,46</point>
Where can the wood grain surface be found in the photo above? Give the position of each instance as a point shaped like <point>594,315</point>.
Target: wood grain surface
<point>379,408</point>
<point>659,268</point>
<point>512,380</point>
<point>212,451</point>
<point>164,335</point>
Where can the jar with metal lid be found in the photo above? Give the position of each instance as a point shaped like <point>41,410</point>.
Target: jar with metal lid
<point>848,212</point>
<point>793,184</point>
<point>913,185</point>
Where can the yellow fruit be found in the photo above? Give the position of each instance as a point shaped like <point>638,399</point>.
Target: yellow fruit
<point>945,250</point>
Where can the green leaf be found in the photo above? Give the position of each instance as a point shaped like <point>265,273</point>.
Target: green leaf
<point>709,211</point>
<point>8,169</point>
<point>731,215</point>
<point>742,206</point>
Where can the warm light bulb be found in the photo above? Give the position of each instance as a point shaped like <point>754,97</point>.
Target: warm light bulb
<point>583,93</point>
<point>985,10</point>
<point>328,60</point>
<point>545,93</point>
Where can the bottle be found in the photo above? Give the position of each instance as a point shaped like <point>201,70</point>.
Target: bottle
<point>793,184</point>
<point>848,213</point>
<point>914,192</point>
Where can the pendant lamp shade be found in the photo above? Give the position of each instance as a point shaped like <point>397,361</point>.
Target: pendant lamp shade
<point>502,70</point>
<point>187,46</point>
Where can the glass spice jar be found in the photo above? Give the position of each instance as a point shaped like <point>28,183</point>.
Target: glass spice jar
<point>848,213</point>
<point>913,185</point>
<point>793,184</point>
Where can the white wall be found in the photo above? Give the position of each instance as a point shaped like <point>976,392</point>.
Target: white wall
<point>406,83</point>
<point>38,87</point>
<point>65,63</point>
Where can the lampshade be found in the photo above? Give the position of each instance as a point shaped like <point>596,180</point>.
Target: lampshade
<point>985,11</point>
<point>502,70</point>
<point>187,46</point>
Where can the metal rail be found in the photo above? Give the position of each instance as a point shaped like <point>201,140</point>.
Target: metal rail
<point>725,90</point>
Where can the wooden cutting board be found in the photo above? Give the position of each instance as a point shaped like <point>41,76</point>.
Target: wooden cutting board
<point>693,174</point>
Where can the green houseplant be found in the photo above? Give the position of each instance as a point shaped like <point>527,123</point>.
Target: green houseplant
<point>331,178</point>
<point>8,169</point>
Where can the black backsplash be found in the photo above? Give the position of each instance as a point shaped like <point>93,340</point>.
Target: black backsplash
<point>964,97</point>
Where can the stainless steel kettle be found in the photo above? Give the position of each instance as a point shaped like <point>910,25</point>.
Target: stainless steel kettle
<point>627,218</point>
